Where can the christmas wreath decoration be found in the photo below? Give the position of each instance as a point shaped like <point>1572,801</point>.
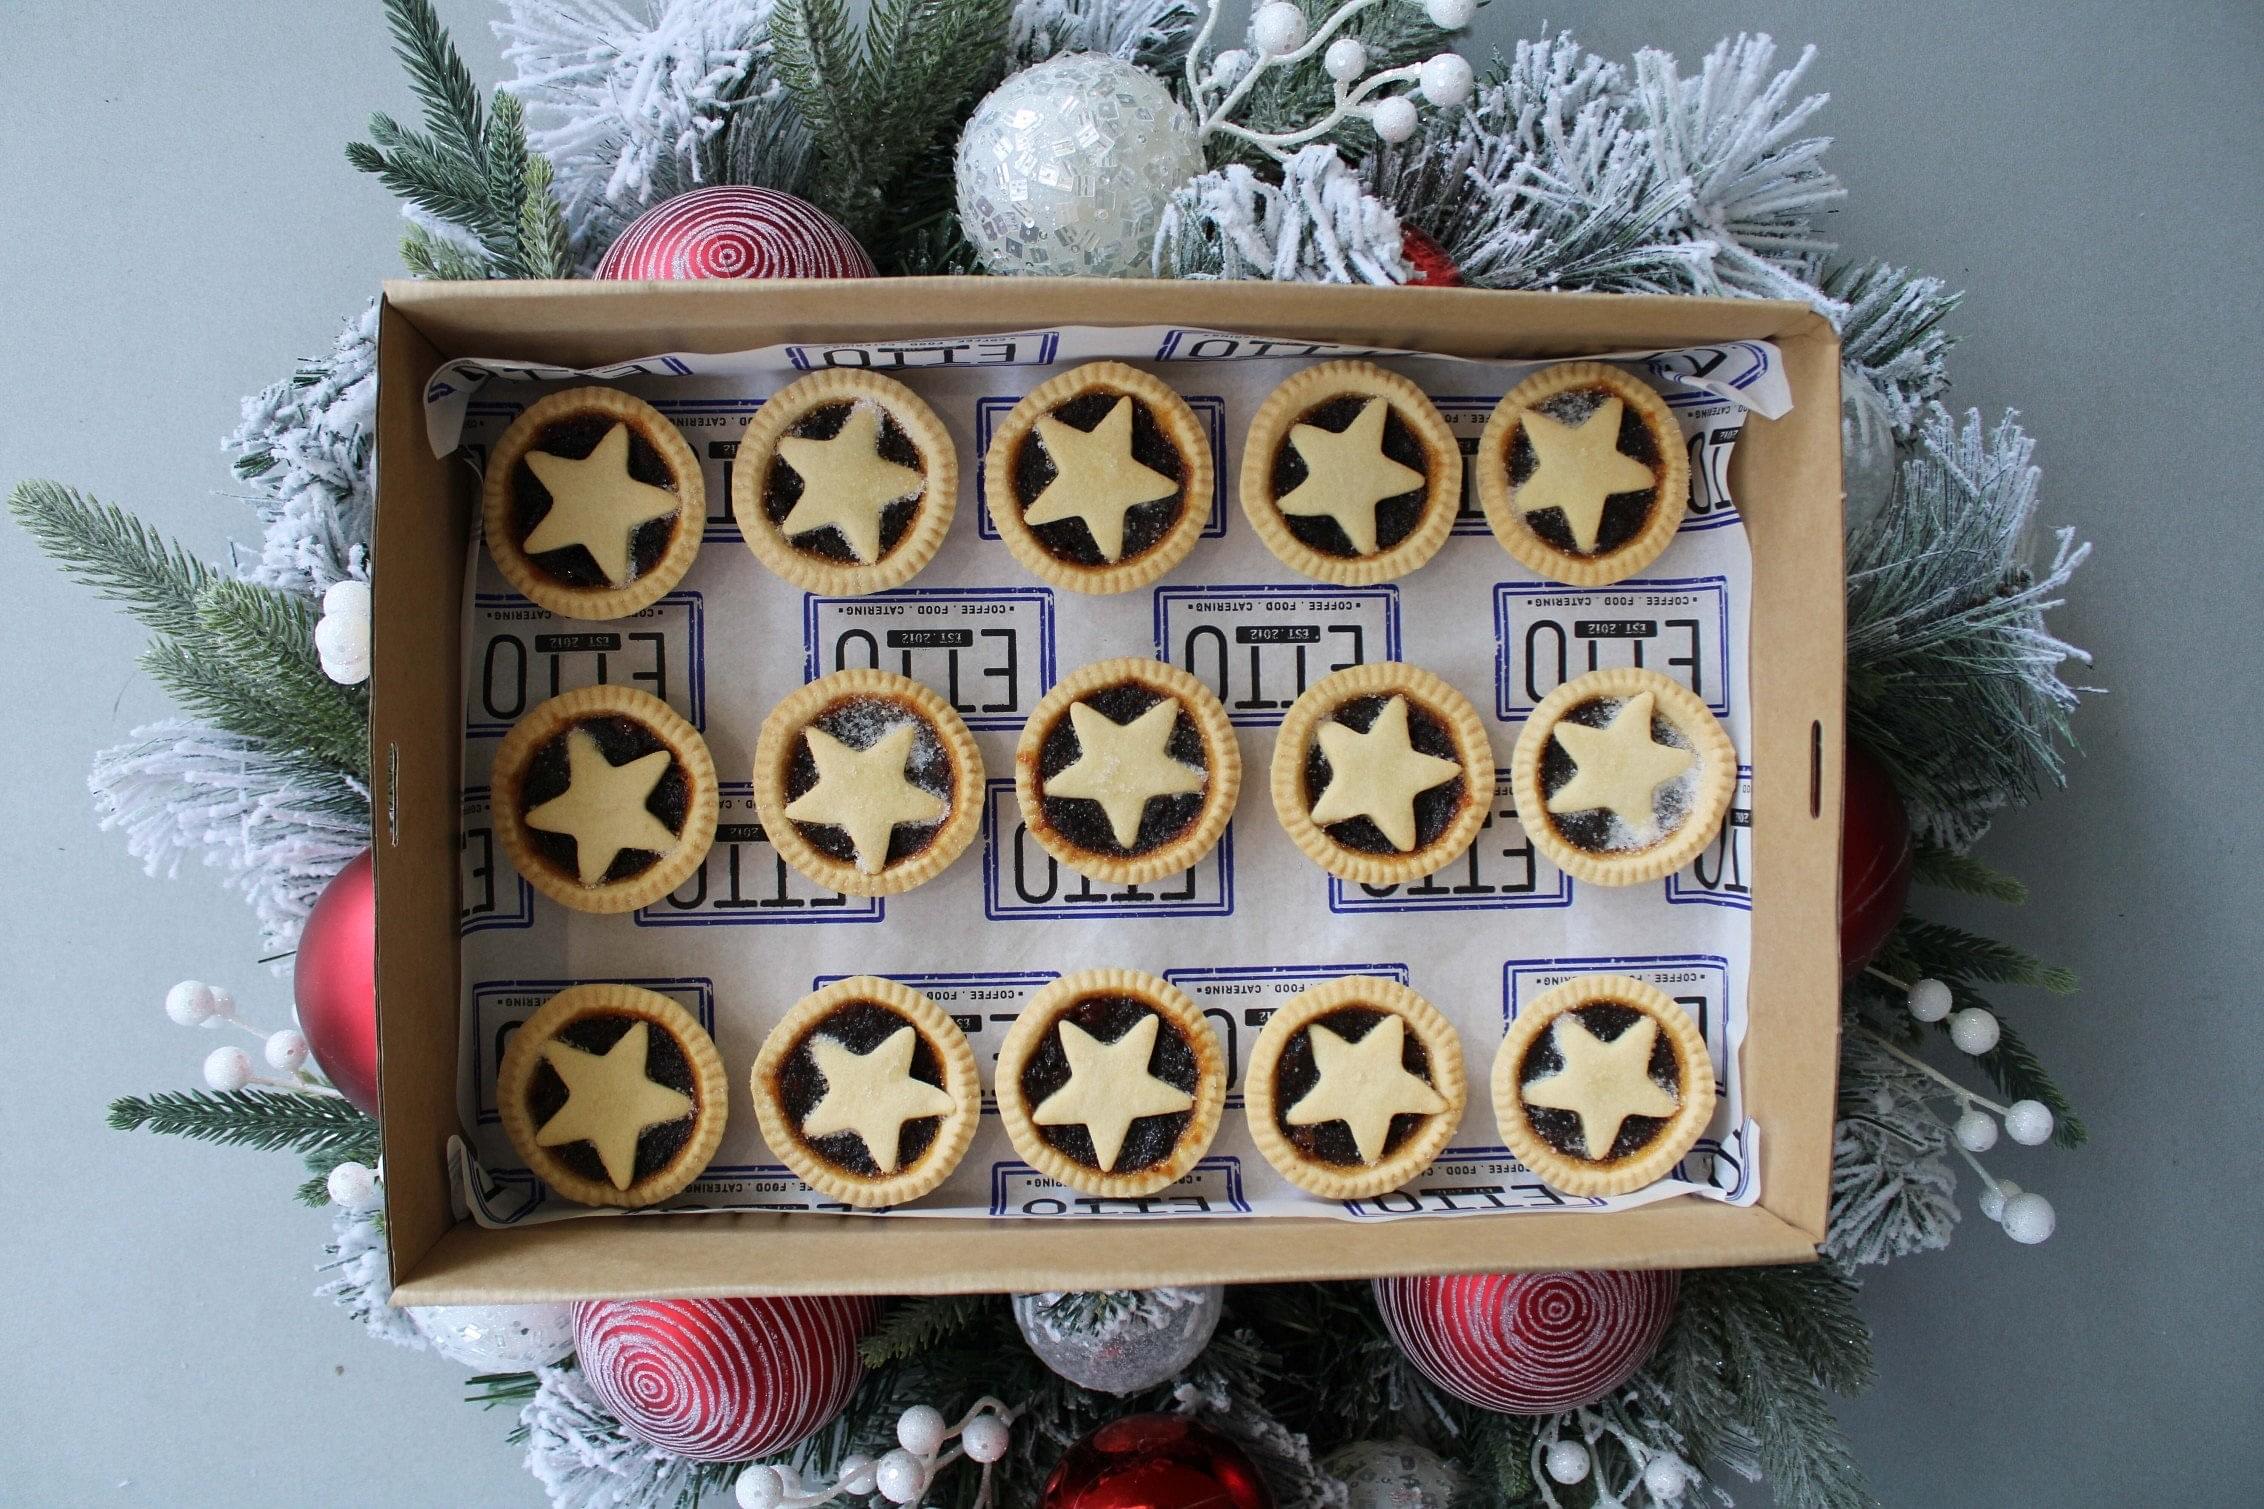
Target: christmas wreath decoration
<point>1334,143</point>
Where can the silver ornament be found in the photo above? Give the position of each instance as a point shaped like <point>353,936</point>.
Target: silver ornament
<point>497,1338</point>
<point>1156,1338</point>
<point>1867,448</point>
<point>1393,1475</point>
<point>1065,169</point>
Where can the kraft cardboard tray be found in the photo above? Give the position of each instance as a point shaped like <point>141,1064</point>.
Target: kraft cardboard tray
<point>1785,478</point>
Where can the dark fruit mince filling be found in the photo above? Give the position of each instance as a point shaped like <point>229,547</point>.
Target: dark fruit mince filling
<point>861,722</point>
<point>1396,517</point>
<point>1080,820</point>
<point>574,438</point>
<point>1435,809</point>
<point>621,740</point>
<point>665,1064</point>
<point>1145,524</point>
<point>1592,829</point>
<point>1296,1074</point>
<point>782,486</point>
<point>1624,513</point>
<point>1561,1129</point>
<point>1151,1139</point>
<point>859,1026</point>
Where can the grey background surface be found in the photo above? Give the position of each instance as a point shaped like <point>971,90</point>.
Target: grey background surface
<point>178,226</point>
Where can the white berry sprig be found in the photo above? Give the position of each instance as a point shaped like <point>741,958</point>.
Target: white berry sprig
<point>192,1003</point>
<point>1283,39</point>
<point>900,1476</point>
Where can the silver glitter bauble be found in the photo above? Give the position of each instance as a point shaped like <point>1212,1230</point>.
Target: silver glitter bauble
<point>1393,1475</point>
<point>497,1338</point>
<point>1064,170</point>
<point>1156,1339</point>
<point>1867,448</point>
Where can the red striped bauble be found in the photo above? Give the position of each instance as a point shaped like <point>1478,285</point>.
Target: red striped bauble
<point>721,1380</point>
<point>1528,1343</point>
<point>735,232</point>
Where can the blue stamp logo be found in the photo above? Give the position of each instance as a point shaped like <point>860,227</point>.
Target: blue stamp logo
<point>1238,1000</point>
<point>1210,412</point>
<point>501,1007</point>
<point>987,650</point>
<point>1469,1181</point>
<point>1546,635</point>
<point>1022,882</point>
<point>495,894</point>
<point>1218,346</point>
<point>1259,647</point>
<point>1212,1187</point>
<point>522,655</point>
<point>1028,348</point>
<point>1502,871</point>
<point>1722,874</point>
<point>743,883</point>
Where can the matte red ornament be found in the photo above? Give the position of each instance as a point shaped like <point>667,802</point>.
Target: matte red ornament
<point>1433,267</point>
<point>1529,1343</point>
<point>735,232</point>
<point>1875,861</point>
<point>334,982</point>
<point>1155,1462</point>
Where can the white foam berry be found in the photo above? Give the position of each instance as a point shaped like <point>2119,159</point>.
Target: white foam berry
<point>341,637</point>
<point>1993,1198</point>
<point>919,1430</point>
<point>1450,15</point>
<point>227,1069</point>
<point>1394,118</point>
<point>1345,60</point>
<point>2029,1218</point>
<point>192,1003</point>
<point>1278,27</point>
<point>1566,1461</point>
<point>353,1185</point>
<point>900,1477</point>
<point>286,1050</point>
<point>985,1438</point>
<point>759,1487</point>
<point>1929,1000</point>
<point>856,1475</point>
<point>1666,1478</point>
<point>1446,80</point>
<point>1975,1030</point>
<point>2029,1122</point>
<point>1977,1131</point>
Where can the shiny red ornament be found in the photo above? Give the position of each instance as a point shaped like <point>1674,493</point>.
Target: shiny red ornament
<point>1155,1462</point>
<point>1875,861</point>
<point>735,232</point>
<point>721,1380</point>
<point>334,982</point>
<point>1529,1343</point>
<point>1433,267</point>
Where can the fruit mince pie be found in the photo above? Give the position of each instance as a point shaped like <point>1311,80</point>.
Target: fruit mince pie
<point>845,483</point>
<point>1128,770</point>
<point>613,1095</point>
<point>1622,776</point>
<point>1602,1084</point>
<point>1349,474</point>
<point>1354,1087</point>
<point>867,782</point>
<point>1382,773</point>
<point>593,504</point>
<point>868,1091</point>
<point>1099,480</point>
<point>1111,1082</point>
<point>605,798</point>
<point>1583,473</point>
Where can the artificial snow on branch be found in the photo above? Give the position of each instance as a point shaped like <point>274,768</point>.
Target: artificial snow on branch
<point>1152,33</point>
<point>1318,225</point>
<point>304,446</point>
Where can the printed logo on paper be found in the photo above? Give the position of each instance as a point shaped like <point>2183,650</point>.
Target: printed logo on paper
<point>1469,1181</point>
<point>1546,635</point>
<point>1259,647</point>
<point>1722,872</point>
<point>1238,1000</point>
<point>1212,1187</point>
<point>1503,870</point>
<point>988,651</point>
<point>1210,413</point>
<point>1219,346</point>
<point>743,883</point>
<point>1028,348</point>
<point>984,1004</point>
<point>1466,419</point>
<point>495,894</point>
<point>501,1007</point>
<point>523,655</point>
<point>1022,882</point>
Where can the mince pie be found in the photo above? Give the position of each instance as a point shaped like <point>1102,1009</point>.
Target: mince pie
<point>1349,474</point>
<point>1100,479</point>
<point>868,1091</point>
<point>1128,770</point>
<point>605,798</point>
<point>1111,1082</point>
<point>1583,473</point>
<point>613,1095</point>
<point>1622,776</point>
<point>593,503</point>
<point>1602,1084</point>
<point>1382,773</point>
<point>867,782</point>
<point>845,483</point>
<point>1354,1087</point>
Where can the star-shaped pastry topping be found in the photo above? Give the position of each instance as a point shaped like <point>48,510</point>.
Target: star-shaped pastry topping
<point>1378,774</point>
<point>1347,474</point>
<point>1096,478</point>
<point>1109,1088</point>
<point>1364,1085</point>
<point>847,483</point>
<point>609,1101</point>
<point>1618,766</point>
<point>1580,467</point>
<point>1601,1083</point>
<point>603,806</point>
<point>596,504</point>
<point>1123,765</point>
<point>865,792</point>
<point>872,1094</point>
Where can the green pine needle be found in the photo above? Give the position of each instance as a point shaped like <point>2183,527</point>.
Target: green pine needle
<point>917,1326</point>
<point>507,182</point>
<point>264,1119</point>
<point>544,251</point>
<point>2018,1074</point>
<point>115,553</point>
<point>442,83</point>
<point>1949,870</point>
<point>262,671</point>
<point>487,1390</point>
<point>1950,953</point>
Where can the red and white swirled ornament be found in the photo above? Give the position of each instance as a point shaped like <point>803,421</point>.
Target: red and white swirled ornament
<point>1528,1343</point>
<point>734,232</point>
<point>721,1380</point>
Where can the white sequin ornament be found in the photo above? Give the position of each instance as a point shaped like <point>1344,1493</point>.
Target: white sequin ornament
<point>1141,1346</point>
<point>1393,1475</point>
<point>497,1338</point>
<point>1064,170</point>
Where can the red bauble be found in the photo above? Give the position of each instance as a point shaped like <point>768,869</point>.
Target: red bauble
<point>1155,1462</point>
<point>1433,267</point>
<point>334,981</point>
<point>1875,860</point>
<point>736,232</point>
<point>1529,1343</point>
<point>720,1380</point>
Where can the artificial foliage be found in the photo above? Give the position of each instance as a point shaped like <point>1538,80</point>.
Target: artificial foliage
<point>1563,170</point>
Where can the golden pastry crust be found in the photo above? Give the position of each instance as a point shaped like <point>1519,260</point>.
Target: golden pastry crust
<point>1271,429</point>
<point>1301,726</point>
<point>933,507</point>
<point>1222,755</point>
<point>1670,472</point>
<point>546,721</point>
<point>961,1083</point>
<point>497,500</point>
<point>1037,1022</point>
<point>1711,786</point>
<point>710,1093</point>
<point>1694,1091</point>
<point>1442,1046</point>
<point>781,739</point>
<point>1180,427</point>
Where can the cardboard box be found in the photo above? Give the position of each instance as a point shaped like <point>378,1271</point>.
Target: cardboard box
<point>1785,477</point>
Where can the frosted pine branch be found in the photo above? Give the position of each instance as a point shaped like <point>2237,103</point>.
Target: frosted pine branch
<point>360,1282</point>
<point>1894,1187</point>
<point>583,1460</point>
<point>304,445</point>
<point>1891,334</point>
<point>1319,225</point>
<point>1151,33</point>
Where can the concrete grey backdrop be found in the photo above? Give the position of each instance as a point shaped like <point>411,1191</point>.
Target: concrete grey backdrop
<point>174,190</point>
